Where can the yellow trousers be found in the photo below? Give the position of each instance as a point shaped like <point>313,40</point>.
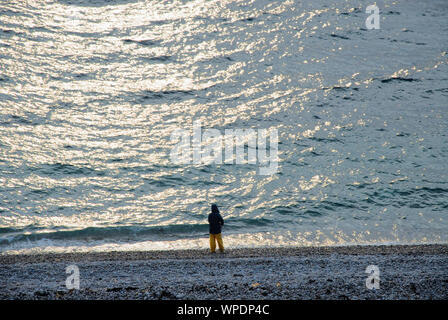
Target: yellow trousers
<point>213,239</point>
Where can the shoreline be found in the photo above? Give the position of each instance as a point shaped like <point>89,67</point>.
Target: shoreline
<point>406,272</point>
<point>229,253</point>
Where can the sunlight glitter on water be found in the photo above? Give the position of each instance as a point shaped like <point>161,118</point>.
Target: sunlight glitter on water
<point>90,92</point>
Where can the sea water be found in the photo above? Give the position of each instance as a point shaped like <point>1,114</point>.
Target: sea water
<point>91,91</point>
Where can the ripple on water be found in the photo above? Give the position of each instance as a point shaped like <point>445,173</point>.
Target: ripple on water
<point>91,90</point>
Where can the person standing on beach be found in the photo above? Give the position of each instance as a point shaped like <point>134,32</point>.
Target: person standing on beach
<point>215,222</point>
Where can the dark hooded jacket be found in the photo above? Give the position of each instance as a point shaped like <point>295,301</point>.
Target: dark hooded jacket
<point>215,220</point>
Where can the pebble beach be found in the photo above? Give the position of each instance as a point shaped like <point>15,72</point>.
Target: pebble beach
<point>405,272</point>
